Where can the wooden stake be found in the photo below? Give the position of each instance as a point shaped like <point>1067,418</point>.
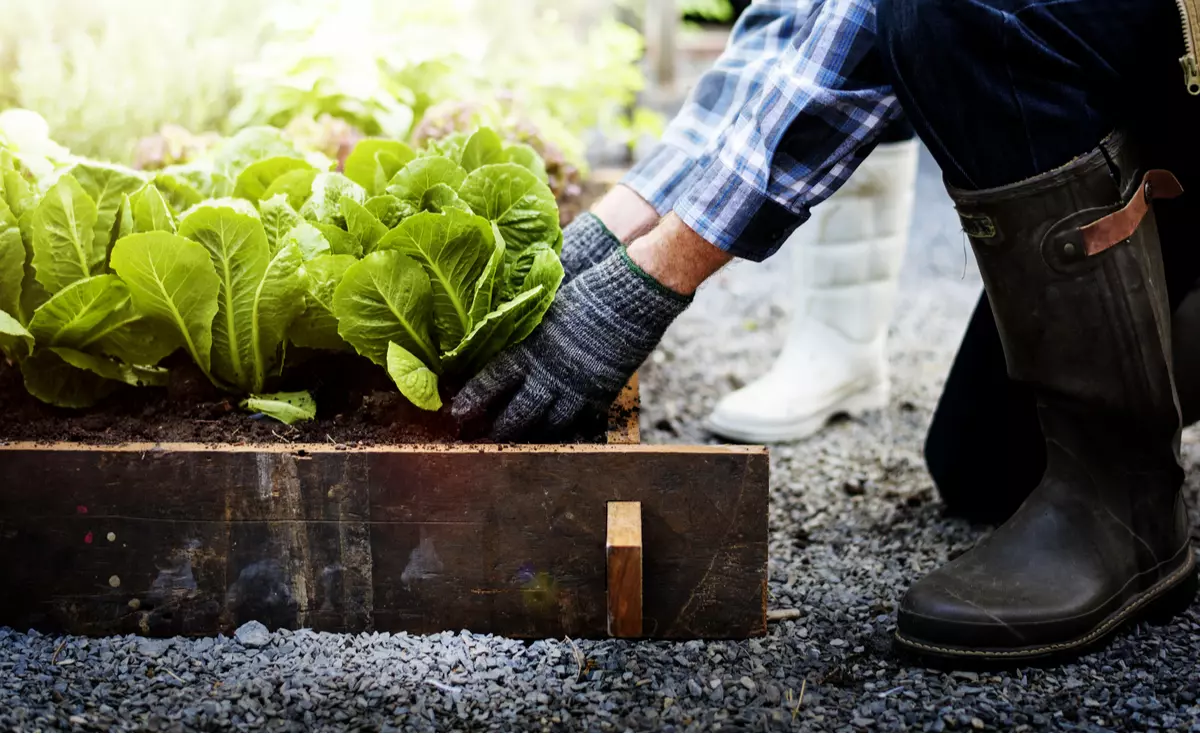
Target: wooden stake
<point>624,552</point>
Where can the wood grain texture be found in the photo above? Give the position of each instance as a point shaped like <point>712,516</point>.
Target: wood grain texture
<point>623,550</point>
<point>188,539</point>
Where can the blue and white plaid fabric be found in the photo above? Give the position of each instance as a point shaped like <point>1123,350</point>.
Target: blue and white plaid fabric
<point>787,113</point>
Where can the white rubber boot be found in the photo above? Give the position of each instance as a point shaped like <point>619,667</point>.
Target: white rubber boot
<point>847,261</point>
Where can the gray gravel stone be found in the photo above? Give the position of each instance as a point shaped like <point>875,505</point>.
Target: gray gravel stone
<point>253,634</point>
<point>153,648</point>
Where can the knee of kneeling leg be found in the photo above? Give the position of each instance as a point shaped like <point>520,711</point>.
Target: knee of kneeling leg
<point>911,29</point>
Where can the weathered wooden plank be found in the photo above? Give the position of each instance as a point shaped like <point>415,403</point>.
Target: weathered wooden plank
<point>623,551</point>
<point>501,539</point>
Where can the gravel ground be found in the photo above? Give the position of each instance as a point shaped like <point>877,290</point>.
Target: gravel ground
<point>854,520</point>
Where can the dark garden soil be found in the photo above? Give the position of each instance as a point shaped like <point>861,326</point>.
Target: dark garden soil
<point>356,406</point>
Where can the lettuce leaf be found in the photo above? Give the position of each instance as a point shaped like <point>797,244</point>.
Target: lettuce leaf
<point>454,249</point>
<point>278,218</point>
<point>51,379</point>
<point>416,381</point>
<point>374,161</point>
<point>483,147</point>
<point>186,186</point>
<point>108,369</point>
<point>526,157</point>
<point>258,297</point>
<point>15,340</point>
<point>248,146</point>
<point>255,180</point>
<point>340,241</point>
<point>491,335</point>
<point>106,185</point>
<point>172,280</point>
<point>63,231</point>
<point>544,271</point>
<point>389,210</point>
<point>362,225</point>
<point>325,204</point>
<point>316,327</point>
<point>285,407</point>
<point>386,297</point>
<point>150,212</point>
<point>422,174</point>
<point>296,185</point>
<point>310,240</point>
<point>486,290</point>
<point>12,263</point>
<point>520,204</point>
<point>440,197</point>
<point>80,314</point>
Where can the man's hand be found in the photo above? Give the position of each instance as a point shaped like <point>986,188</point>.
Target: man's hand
<point>600,329</point>
<point>619,216</point>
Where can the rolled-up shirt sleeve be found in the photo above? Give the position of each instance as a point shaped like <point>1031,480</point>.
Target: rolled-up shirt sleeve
<point>761,35</point>
<point>817,115</point>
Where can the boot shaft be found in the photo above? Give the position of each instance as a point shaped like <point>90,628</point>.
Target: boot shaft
<point>847,258</point>
<point>1091,332</point>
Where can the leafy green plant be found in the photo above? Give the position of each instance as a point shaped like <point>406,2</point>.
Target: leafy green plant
<point>426,262</point>
<point>431,294</point>
<point>68,321</point>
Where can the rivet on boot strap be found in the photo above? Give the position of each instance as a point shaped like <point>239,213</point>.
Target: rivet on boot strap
<point>1070,250</point>
<point>1121,224</point>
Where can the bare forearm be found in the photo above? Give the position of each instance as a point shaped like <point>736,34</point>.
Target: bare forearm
<point>676,256</point>
<point>626,214</point>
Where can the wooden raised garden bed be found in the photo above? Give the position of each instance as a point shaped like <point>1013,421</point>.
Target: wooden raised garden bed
<point>194,539</point>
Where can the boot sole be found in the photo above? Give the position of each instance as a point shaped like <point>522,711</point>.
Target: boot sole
<point>875,397</point>
<point>1157,605</point>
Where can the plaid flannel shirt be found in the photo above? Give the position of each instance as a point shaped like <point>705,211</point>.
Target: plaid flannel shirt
<point>787,113</point>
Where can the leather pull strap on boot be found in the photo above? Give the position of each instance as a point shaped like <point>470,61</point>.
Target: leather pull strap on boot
<point>1071,263</point>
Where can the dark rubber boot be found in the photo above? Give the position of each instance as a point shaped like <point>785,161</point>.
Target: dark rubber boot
<point>1071,263</point>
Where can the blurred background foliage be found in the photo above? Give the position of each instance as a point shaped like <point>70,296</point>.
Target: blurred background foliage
<point>156,81</point>
<point>103,73</point>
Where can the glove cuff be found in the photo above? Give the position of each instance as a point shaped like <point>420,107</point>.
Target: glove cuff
<point>629,298</point>
<point>586,241</point>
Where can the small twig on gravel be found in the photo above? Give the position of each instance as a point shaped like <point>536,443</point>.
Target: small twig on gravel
<point>164,670</point>
<point>800,701</point>
<point>579,658</point>
<point>442,686</point>
<point>62,643</point>
<point>780,615</point>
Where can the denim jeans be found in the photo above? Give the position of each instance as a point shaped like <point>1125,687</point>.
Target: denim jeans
<point>1001,90</point>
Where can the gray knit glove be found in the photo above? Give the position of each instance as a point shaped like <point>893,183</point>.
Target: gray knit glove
<point>586,241</point>
<point>599,330</point>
